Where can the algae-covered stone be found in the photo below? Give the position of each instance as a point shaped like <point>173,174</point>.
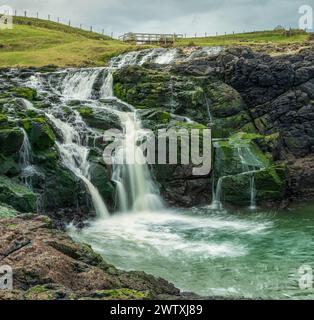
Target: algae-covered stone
<point>9,165</point>
<point>3,121</point>
<point>40,134</point>
<point>7,211</point>
<point>17,195</point>
<point>223,100</point>
<point>100,119</point>
<point>121,294</point>
<point>269,184</point>
<point>49,292</point>
<point>11,141</point>
<point>100,178</point>
<point>25,92</point>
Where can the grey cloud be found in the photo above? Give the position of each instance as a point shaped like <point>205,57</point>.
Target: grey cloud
<point>197,16</point>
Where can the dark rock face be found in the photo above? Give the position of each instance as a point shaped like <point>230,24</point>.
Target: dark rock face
<point>277,93</point>
<point>48,265</point>
<point>244,91</point>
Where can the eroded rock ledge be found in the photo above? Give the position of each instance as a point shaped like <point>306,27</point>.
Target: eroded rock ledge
<point>48,264</point>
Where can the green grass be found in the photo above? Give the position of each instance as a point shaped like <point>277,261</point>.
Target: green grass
<point>35,42</point>
<point>252,38</point>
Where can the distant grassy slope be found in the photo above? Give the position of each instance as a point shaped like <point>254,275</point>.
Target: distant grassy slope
<point>253,38</point>
<point>34,42</point>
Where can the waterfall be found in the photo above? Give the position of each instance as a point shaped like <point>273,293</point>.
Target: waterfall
<point>25,160</point>
<point>249,165</point>
<point>79,84</point>
<point>25,151</point>
<point>74,156</point>
<point>217,193</point>
<point>252,193</point>
<point>136,190</point>
<point>106,90</point>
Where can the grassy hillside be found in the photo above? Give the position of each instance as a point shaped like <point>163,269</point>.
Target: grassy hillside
<point>252,38</point>
<point>34,42</point>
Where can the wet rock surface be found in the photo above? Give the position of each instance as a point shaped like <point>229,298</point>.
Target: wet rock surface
<point>47,264</point>
<point>243,91</point>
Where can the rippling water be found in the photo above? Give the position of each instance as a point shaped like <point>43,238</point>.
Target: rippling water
<point>226,254</point>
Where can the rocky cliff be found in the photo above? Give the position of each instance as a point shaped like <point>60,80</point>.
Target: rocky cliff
<point>260,110</point>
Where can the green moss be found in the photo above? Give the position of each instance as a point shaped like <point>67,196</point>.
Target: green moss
<point>119,91</point>
<point>85,111</point>
<point>7,211</point>
<point>269,183</point>
<point>190,126</point>
<point>121,294</point>
<point>3,121</point>
<point>24,92</point>
<point>11,141</point>
<point>41,292</point>
<point>40,134</point>
<point>17,195</point>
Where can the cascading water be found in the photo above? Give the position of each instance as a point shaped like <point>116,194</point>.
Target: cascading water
<point>79,84</point>
<point>136,190</point>
<point>74,156</point>
<point>249,166</point>
<point>25,160</point>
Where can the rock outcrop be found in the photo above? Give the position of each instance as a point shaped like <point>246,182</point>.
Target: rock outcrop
<point>48,265</point>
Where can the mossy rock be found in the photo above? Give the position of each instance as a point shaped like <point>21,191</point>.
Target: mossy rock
<point>100,119</point>
<point>154,118</point>
<point>17,195</point>
<point>25,92</point>
<point>7,211</point>
<point>100,178</point>
<point>9,165</point>
<point>229,153</point>
<point>224,127</point>
<point>121,294</point>
<point>40,134</point>
<point>223,100</point>
<point>49,292</point>
<point>269,184</point>
<point>11,141</point>
<point>3,121</point>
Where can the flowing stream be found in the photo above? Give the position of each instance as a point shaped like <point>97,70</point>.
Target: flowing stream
<point>209,251</point>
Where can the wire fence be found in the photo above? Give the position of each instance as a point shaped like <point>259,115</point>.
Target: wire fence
<point>57,19</point>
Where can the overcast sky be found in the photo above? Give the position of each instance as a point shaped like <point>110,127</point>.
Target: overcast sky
<point>168,16</point>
